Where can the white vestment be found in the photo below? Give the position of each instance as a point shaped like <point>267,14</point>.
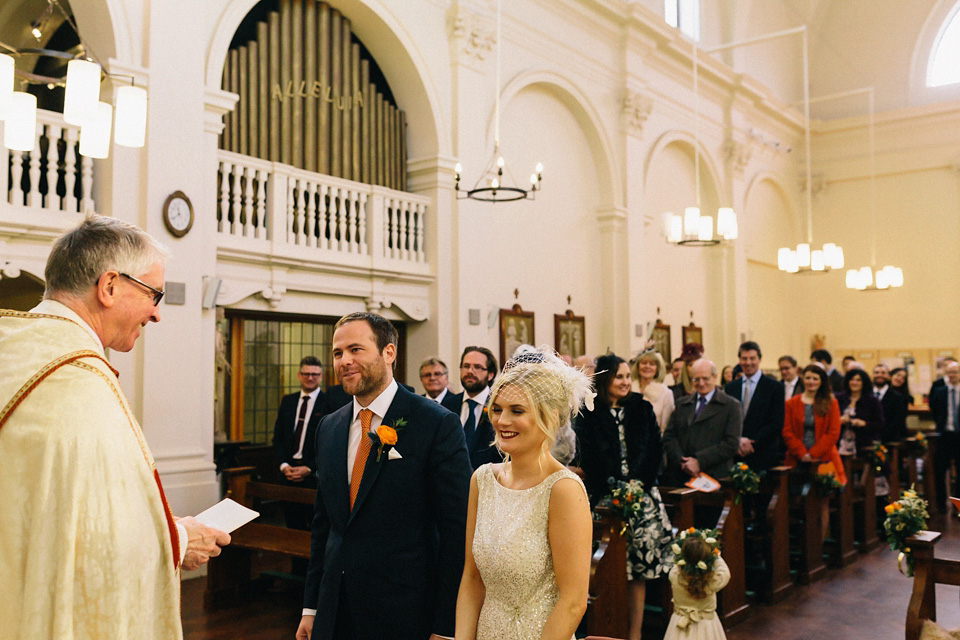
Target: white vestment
<point>87,541</point>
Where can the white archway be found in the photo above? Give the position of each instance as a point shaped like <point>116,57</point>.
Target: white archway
<point>579,104</point>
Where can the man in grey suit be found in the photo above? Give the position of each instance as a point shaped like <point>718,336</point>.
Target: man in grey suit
<point>704,430</point>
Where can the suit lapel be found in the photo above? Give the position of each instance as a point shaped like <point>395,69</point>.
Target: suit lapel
<point>341,490</point>
<point>398,409</point>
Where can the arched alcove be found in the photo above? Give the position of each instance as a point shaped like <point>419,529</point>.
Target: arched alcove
<point>769,221</point>
<point>695,282</point>
<point>400,59</point>
<point>588,121</point>
<point>515,245</point>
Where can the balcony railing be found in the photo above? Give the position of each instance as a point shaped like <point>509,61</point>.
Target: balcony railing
<point>47,186</point>
<point>277,210</point>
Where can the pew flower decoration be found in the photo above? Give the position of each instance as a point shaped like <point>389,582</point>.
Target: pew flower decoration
<point>712,539</point>
<point>385,436</point>
<point>625,499</point>
<point>918,444</point>
<point>827,484</point>
<point>745,481</point>
<point>877,456</point>
<point>905,517</point>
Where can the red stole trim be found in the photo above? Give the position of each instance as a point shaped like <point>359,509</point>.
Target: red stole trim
<point>171,525</point>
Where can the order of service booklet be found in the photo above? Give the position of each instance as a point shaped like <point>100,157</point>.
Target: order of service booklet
<point>227,516</point>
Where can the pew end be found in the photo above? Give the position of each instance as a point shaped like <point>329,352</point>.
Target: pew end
<point>928,572</point>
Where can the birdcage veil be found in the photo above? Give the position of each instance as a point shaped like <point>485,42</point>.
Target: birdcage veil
<point>551,385</point>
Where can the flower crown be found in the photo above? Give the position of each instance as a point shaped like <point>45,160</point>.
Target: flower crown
<point>711,537</point>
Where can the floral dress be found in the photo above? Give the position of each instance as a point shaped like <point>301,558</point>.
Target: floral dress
<point>648,531</point>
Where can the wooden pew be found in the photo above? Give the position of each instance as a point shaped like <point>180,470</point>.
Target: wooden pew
<point>229,574</point>
<point>659,600</point>
<point>841,549</point>
<point>864,504</point>
<point>770,580</point>
<point>894,460</point>
<point>608,611</point>
<point>926,488</point>
<point>732,604</point>
<point>929,571</point>
<point>807,513</point>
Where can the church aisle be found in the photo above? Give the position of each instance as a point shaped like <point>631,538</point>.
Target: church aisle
<point>868,599</point>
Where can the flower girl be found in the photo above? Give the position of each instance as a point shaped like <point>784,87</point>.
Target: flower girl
<point>697,575</point>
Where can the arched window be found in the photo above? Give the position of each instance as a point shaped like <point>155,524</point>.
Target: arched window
<point>683,15</point>
<point>944,67</point>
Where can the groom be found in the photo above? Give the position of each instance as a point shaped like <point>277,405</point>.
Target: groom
<point>388,534</point>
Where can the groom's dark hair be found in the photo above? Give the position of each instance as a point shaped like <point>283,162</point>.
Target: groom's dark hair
<point>383,330</point>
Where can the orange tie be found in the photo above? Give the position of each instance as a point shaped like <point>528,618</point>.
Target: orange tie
<point>363,451</point>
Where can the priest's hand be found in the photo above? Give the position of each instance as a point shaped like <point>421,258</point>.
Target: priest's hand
<point>305,630</point>
<point>203,543</point>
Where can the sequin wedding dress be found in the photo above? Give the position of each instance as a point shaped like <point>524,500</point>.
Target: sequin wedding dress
<point>512,552</point>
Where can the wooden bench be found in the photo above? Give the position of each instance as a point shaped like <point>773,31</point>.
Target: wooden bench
<point>229,574</point>
<point>769,577</point>
<point>732,604</point>
<point>910,478</point>
<point>928,572</point>
<point>841,548</point>
<point>862,479</point>
<point>608,611</point>
<point>806,520</point>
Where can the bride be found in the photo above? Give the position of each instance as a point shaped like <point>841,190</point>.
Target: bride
<point>529,527</point>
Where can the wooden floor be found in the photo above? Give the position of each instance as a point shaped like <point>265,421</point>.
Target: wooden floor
<point>865,600</point>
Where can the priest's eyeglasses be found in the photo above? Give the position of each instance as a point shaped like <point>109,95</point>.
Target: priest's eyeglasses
<point>157,293</point>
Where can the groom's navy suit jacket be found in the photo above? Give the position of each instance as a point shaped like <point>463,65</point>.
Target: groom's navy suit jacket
<point>392,565</point>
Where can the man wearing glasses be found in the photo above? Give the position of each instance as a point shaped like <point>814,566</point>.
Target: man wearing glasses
<point>90,547</point>
<point>478,366</point>
<point>294,438</point>
<point>435,378</point>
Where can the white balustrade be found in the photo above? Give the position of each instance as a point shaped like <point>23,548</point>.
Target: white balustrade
<point>48,177</point>
<point>321,217</point>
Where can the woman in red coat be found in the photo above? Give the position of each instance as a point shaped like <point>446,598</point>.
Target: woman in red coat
<point>811,423</point>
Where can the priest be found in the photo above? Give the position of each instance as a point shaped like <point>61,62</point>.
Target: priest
<point>88,545</point>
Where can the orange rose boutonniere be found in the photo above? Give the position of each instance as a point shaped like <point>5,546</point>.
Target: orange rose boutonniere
<point>385,436</point>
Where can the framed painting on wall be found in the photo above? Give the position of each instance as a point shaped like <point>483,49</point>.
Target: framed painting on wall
<point>661,340</point>
<point>516,328</point>
<point>569,334</point>
<point>692,333</point>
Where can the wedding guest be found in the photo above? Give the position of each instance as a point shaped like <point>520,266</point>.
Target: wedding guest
<point>585,363</point>
<point>529,527</point>
<point>726,375</point>
<point>811,427</point>
<point>900,382</point>
<point>648,371</point>
<point>673,376</point>
<point>861,416</point>
<point>620,440</point>
<point>790,377</point>
<point>811,423</point>
<point>683,385</point>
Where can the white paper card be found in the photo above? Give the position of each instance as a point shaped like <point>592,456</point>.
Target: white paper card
<point>703,482</point>
<point>227,516</point>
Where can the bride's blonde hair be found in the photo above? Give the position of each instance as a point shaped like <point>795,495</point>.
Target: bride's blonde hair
<point>554,390</point>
